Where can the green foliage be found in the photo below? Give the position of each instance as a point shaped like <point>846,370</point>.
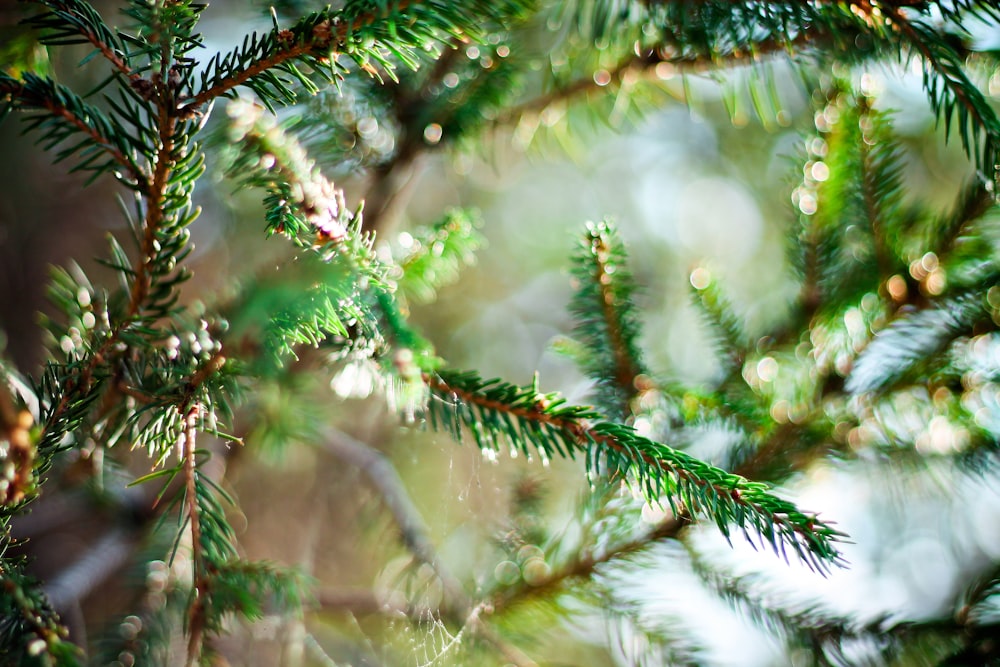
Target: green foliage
<point>30,631</point>
<point>497,413</point>
<point>914,340</point>
<point>434,256</point>
<point>606,323</point>
<point>895,306</point>
<point>97,141</point>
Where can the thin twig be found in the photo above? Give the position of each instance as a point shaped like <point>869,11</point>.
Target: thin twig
<point>89,571</point>
<point>383,476</point>
<point>196,612</point>
<point>588,563</point>
<point>626,367</point>
<point>585,435</point>
<point>413,530</point>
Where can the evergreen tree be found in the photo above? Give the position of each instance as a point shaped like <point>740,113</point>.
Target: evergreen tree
<point>151,386</point>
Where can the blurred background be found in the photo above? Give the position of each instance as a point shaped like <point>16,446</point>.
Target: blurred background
<point>703,184</point>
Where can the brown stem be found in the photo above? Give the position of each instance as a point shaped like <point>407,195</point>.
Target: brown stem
<point>392,182</point>
<point>626,367</point>
<point>456,605</point>
<point>142,269</point>
<point>196,612</point>
<point>155,215</point>
<point>646,62</point>
<point>382,475</point>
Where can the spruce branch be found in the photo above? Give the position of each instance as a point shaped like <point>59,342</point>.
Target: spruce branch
<point>913,338</point>
<point>151,280</point>
<point>18,453</point>
<point>156,215</point>
<point>435,255</point>
<point>412,527</point>
<point>946,233</point>
<point>729,333</point>
<point>606,321</point>
<point>811,625</point>
<point>953,96</point>
<point>857,205</point>
<point>588,563</point>
<point>30,631</point>
<point>699,37</point>
<point>100,143</point>
<point>363,31</point>
<point>302,203</point>
<point>77,21</point>
<point>655,63</point>
<point>499,413</point>
<point>881,183</point>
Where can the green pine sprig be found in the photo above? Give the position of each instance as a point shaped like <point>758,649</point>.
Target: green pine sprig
<point>373,36</point>
<point>497,413</point>
<point>62,120</point>
<point>302,204</point>
<point>30,631</point>
<point>606,322</point>
<point>914,340</point>
<point>856,207</point>
<point>78,22</point>
<point>728,331</point>
<point>956,100</point>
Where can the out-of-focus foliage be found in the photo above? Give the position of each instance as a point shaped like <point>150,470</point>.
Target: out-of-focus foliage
<point>153,384</point>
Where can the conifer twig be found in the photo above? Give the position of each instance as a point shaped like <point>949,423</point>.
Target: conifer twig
<point>645,64</point>
<point>588,563</point>
<point>492,410</point>
<point>393,180</point>
<point>948,64</point>
<point>413,530</point>
<point>323,41</point>
<point>606,323</point>
<point>89,24</point>
<point>155,213</point>
<point>37,93</point>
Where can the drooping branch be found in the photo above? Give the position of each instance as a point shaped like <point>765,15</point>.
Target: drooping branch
<point>952,94</point>
<point>496,412</point>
